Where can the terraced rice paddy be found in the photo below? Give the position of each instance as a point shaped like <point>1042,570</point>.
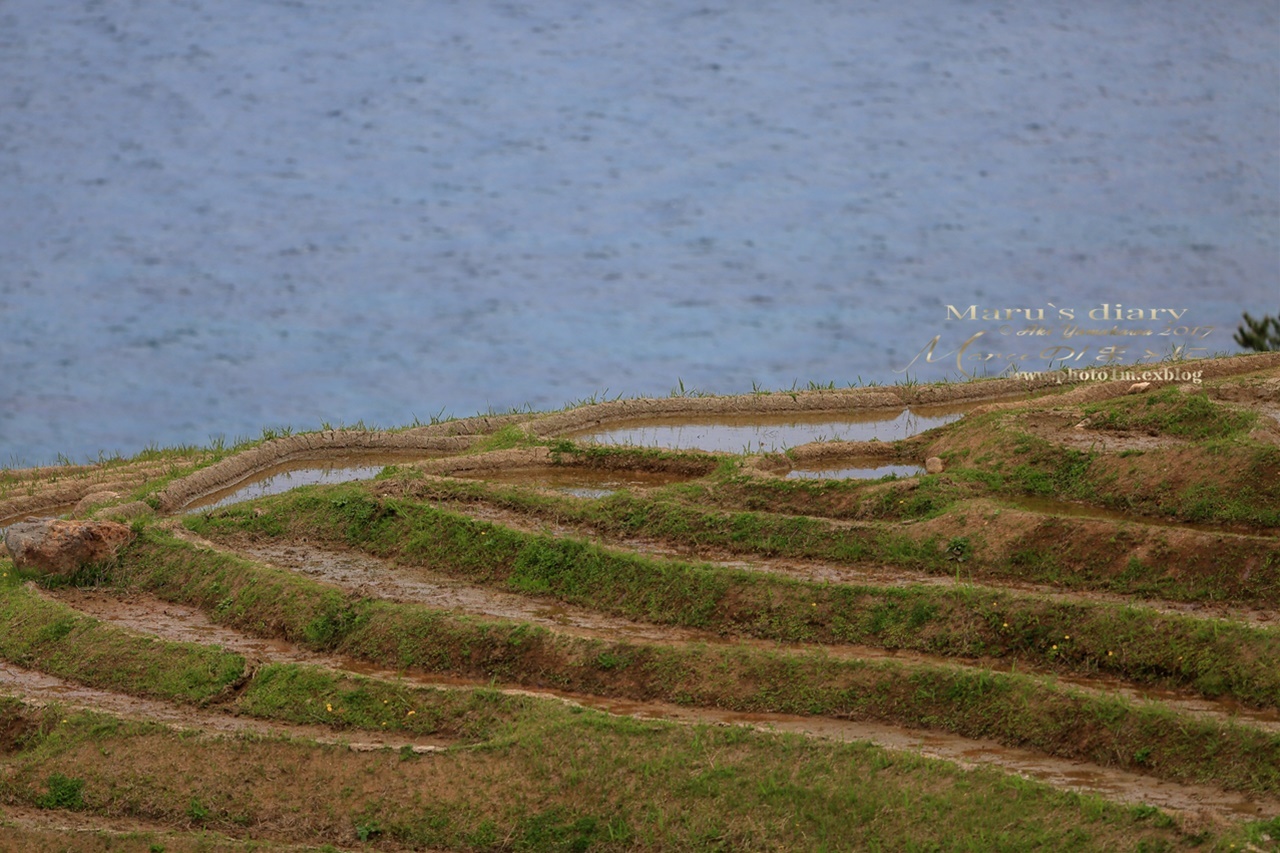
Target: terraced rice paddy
<point>513,639</point>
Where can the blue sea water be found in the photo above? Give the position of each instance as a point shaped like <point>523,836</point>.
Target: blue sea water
<point>216,217</point>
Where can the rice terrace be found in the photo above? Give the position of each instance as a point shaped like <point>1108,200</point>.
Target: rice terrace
<point>1005,614</point>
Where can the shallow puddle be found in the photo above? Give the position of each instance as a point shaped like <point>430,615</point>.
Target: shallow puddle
<point>870,471</point>
<point>762,432</point>
<point>302,472</point>
<point>579,482</point>
<point>48,512</point>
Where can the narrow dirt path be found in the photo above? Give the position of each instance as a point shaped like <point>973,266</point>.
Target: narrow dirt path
<point>41,689</point>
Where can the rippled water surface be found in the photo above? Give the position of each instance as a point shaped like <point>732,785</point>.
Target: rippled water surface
<point>756,433</point>
<point>224,216</point>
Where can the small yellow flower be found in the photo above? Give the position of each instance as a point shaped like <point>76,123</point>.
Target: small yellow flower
<point>1006,624</point>
<point>815,604</point>
<point>328,707</point>
<point>1067,637</point>
<point>1108,654</point>
<point>411,713</point>
<point>1055,647</point>
<point>384,701</point>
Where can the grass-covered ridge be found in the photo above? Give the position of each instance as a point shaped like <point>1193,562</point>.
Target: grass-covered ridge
<point>1012,709</point>
<point>726,514</point>
<point>1171,411</point>
<point>562,779</point>
<point>1210,656</point>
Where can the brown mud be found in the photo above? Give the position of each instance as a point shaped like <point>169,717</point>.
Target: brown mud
<point>578,481</point>
<point>48,512</point>
<point>1055,507</point>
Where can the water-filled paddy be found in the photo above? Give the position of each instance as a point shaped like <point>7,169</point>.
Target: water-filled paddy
<point>304,472</point>
<point>760,433</point>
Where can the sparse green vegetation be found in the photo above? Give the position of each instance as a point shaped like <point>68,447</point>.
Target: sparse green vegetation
<point>756,604</point>
<point>1172,412</point>
<point>560,778</point>
<point>404,636</point>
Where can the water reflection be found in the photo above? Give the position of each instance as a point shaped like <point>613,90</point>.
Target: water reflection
<point>760,433</point>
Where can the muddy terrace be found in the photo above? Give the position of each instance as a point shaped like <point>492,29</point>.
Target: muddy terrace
<point>681,624</point>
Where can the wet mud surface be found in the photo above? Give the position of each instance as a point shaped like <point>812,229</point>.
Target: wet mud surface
<point>53,511</point>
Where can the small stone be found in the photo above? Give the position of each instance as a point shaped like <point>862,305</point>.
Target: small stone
<point>1138,387</point>
<point>94,499</point>
<point>56,547</point>
<point>933,465</point>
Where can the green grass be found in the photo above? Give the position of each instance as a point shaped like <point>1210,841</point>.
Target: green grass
<point>53,638</point>
<point>1170,411</point>
<point>1213,657</point>
<point>1015,710</point>
<point>562,778</point>
<point>1075,557</point>
<point>293,693</point>
<point>1209,469</point>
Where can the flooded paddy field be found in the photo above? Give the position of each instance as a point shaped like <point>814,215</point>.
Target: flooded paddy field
<point>757,433</point>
